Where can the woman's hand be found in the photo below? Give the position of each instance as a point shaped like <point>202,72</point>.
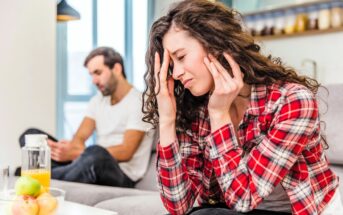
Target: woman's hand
<point>164,90</point>
<point>226,89</point>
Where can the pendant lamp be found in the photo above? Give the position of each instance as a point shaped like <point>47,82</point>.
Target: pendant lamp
<point>66,13</point>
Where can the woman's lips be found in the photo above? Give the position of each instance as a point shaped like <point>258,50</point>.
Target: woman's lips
<point>187,83</point>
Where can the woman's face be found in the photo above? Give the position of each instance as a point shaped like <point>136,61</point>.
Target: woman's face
<point>187,58</point>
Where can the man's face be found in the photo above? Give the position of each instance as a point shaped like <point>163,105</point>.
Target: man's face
<point>102,76</point>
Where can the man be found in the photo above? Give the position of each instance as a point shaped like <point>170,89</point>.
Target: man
<point>121,154</point>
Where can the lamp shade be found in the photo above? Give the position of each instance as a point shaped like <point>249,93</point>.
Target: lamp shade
<point>66,13</point>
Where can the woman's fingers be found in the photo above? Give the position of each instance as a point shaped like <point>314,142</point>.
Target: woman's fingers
<point>237,74</point>
<point>161,71</point>
<point>157,66</point>
<point>165,66</point>
<point>219,81</point>
<point>220,68</point>
<point>170,85</point>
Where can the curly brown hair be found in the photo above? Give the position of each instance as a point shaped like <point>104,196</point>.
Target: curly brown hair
<point>219,29</point>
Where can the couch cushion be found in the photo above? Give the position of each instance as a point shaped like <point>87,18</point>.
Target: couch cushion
<point>135,205</point>
<point>331,103</point>
<point>339,172</point>
<point>90,194</point>
<point>149,181</point>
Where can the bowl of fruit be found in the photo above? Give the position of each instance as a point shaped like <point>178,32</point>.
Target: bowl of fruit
<point>30,198</point>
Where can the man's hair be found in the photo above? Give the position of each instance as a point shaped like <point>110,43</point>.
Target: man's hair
<point>111,57</point>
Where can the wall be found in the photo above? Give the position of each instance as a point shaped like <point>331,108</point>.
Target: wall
<point>27,68</point>
<point>325,49</point>
<point>162,7</point>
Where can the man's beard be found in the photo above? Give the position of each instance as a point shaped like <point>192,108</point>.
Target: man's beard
<point>107,91</point>
<point>110,87</point>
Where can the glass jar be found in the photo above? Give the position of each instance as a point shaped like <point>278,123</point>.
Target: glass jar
<point>313,14</point>
<point>290,21</point>
<point>259,24</point>
<point>301,19</point>
<point>250,25</point>
<point>268,28</point>
<point>36,158</point>
<point>324,16</point>
<point>336,14</point>
<point>279,25</point>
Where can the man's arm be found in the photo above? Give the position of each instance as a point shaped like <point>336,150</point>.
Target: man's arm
<point>70,150</point>
<point>126,150</point>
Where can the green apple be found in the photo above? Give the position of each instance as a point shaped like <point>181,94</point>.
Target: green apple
<point>26,185</point>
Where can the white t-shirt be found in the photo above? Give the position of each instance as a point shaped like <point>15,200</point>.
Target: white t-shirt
<point>111,121</point>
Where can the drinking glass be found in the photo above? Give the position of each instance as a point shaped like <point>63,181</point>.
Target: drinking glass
<point>4,177</point>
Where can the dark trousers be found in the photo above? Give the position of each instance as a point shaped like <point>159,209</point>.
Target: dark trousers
<point>94,166</point>
<point>221,209</point>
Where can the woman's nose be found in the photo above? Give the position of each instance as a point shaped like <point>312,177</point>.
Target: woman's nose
<point>178,71</point>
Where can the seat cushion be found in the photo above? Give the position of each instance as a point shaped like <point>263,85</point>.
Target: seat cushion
<point>135,205</point>
<point>90,194</point>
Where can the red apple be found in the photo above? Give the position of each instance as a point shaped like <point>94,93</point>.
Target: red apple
<point>25,205</point>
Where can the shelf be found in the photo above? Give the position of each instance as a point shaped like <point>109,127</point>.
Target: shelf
<point>286,7</point>
<point>305,33</point>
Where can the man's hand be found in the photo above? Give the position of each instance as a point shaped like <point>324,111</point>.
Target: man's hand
<point>62,150</point>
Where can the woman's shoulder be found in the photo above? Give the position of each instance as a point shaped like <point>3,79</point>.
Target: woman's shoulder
<point>290,96</point>
<point>290,90</point>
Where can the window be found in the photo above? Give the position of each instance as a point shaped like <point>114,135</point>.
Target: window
<point>121,24</point>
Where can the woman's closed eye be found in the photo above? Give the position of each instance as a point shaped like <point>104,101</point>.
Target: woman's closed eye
<point>180,58</point>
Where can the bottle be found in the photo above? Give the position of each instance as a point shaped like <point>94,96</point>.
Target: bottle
<point>279,22</point>
<point>36,158</point>
<point>269,24</point>
<point>313,14</point>
<point>336,14</point>
<point>250,23</point>
<point>290,21</point>
<point>259,24</point>
<point>324,21</point>
<point>301,20</point>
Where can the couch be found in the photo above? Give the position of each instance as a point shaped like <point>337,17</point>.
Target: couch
<point>145,198</point>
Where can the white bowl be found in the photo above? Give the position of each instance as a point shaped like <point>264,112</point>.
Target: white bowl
<point>9,197</point>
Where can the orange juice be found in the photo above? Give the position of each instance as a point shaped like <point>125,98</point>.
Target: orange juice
<point>42,175</point>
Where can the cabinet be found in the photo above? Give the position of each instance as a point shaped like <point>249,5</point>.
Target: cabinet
<point>293,20</point>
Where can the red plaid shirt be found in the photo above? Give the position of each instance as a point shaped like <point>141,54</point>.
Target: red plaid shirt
<point>278,141</point>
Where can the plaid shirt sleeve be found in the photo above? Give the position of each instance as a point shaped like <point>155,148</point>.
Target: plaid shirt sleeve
<point>178,179</point>
<point>247,179</point>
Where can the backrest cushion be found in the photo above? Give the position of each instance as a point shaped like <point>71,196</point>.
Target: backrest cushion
<point>149,181</point>
<point>331,109</point>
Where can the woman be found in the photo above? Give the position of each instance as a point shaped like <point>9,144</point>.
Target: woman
<point>239,131</point>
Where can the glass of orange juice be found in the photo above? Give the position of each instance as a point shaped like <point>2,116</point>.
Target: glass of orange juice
<point>36,159</point>
<point>41,175</point>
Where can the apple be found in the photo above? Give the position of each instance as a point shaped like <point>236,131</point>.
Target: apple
<point>25,205</point>
<point>47,204</point>
<point>26,185</point>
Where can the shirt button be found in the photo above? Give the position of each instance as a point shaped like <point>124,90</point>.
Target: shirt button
<point>212,202</point>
